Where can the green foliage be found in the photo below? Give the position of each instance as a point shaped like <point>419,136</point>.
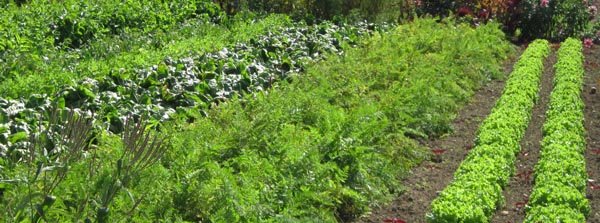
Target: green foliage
<point>73,23</point>
<point>554,213</point>
<point>467,201</point>
<point>476,190</point>
<point>372,10</point>
<point>62,177</point>
<point>126,52</point>
<point>190,83</point>
<point>330,144</point>
<point>556,21</point>
<point>560,174</point>
<point>321,147</point>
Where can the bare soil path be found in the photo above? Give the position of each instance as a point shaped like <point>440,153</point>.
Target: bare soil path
<point>592,126</point>
<point>591,98</point>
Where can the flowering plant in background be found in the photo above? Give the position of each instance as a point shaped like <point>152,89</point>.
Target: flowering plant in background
<point>544,3</point>
<point>588,42</point>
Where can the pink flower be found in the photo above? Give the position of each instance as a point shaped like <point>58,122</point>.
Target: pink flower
<point>588,43</point>
<point>544,3</point>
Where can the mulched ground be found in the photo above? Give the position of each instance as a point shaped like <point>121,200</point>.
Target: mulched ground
<point>432,176</point>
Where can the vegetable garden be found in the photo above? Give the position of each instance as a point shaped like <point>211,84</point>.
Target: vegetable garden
<point>225,111</point>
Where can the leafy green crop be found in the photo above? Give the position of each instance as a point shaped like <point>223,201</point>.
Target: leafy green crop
<point>40,25</point>
<point>49,67</point>
<point>476,190</point>
<point>323,146</point>
<point>170,87</point>
<point>335,135</point>
<point>177,87</point>
<point>560,175</point>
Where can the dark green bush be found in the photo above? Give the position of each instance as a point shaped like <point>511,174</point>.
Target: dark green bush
<point>555,21</point>
<point>381,10</point>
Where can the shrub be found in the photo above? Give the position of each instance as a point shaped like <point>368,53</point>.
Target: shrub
<point>554,20</point>
<point>381,10</point>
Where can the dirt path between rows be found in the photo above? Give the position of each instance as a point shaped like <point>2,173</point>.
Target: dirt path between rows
<point>519,188</point>
<point>430,177</point>
<point>592,126</point>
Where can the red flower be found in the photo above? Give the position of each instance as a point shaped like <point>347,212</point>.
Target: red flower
<point>588,43</point>
<point>544,3</point>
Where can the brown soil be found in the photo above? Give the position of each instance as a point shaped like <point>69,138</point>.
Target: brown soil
<point>592,126</point>
<point>517,191</point>
<point>432,176</point>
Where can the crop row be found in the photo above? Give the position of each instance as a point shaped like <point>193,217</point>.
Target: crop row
<point>40,24</point>
<point>178,86</point>
<point>476,190</point>
<point>560,175</point>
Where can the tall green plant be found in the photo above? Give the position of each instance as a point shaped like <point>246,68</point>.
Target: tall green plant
<point>47,161</point>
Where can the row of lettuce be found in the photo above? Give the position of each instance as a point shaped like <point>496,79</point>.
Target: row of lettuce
<point>476,190</point>
<point>559,193</point>
<point>324,146</point>
<point>180,87</point>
